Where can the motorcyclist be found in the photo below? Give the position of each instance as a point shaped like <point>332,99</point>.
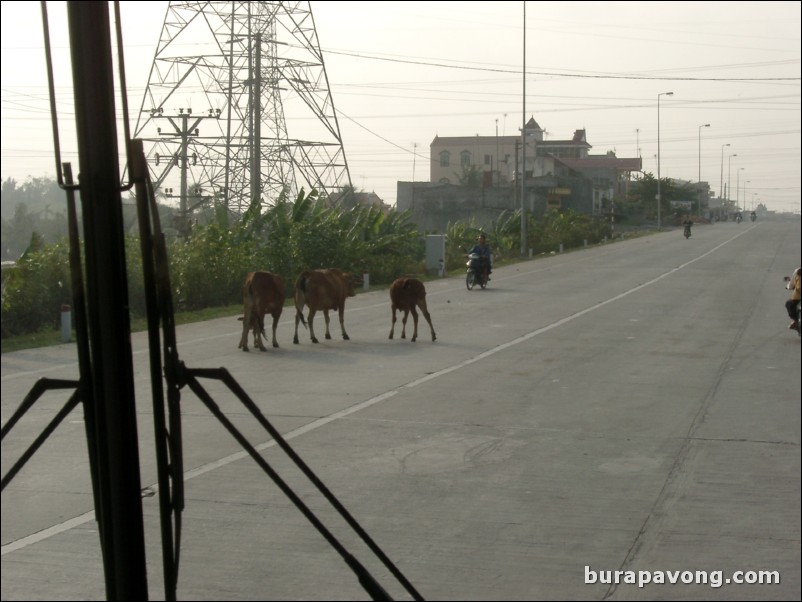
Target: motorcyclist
<point>790,304</point>
<point>688,223</point>
<point>482,249</point>
<point>753,216</point>
<point>738,216</point>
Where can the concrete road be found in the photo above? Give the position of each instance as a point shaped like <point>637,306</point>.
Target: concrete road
<point>631,408</point>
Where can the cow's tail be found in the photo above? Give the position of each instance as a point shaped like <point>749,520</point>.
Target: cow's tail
<point>257,321</point>
<point>300,283</point>
<point>300,296</point>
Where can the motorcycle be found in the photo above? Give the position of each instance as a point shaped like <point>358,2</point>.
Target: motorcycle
<point>798,312</point>
<point>477,271</point>
<point>687,232</point>
<point>753,217</point>
<point>738,219</point>
<point>798,318</point>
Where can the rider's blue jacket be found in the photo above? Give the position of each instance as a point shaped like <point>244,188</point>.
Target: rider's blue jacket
<point>482,251</point>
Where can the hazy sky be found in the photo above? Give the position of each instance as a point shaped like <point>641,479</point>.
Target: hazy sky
<point>403,72</point>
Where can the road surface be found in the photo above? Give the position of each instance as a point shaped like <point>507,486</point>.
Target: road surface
<point>631,407</point>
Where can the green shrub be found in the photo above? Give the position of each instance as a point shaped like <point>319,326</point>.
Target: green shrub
<point>34,291</point>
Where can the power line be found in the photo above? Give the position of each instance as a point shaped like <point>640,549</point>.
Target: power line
<point>560,74</point>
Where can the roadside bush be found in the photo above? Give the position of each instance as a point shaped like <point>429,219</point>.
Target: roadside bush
<point>34,291</point>
<point>207,269</point>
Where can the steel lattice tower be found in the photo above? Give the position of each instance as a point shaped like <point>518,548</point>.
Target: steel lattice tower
<point>225,80</point>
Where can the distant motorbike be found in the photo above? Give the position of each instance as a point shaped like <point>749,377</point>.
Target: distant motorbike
<point>738,219</point>
<point>687,232</point>
<point>753,217</point>
<point>477,271</point>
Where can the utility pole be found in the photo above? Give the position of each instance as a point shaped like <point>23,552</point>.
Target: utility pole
<point>721,181</point>
<point>497,170</point>
<point>256,119</point>
<point>183,131</point>
<point>523,151</point>
<point>517,167</point>
<point>699,181</point>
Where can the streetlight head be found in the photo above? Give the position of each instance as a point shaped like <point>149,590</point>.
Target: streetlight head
<point>707,125</point>
<point>669,94</point>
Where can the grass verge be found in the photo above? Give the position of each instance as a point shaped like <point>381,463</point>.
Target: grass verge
<point>51,336</point>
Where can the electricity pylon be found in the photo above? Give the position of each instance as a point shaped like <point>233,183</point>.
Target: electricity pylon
<point>225,79</point>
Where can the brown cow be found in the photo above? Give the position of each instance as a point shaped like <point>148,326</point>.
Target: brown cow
<point>405,294</point>
<point>322,290</point>
<point>262,293</point>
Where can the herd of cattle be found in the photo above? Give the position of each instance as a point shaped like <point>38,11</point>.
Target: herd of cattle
<point>320,290</point>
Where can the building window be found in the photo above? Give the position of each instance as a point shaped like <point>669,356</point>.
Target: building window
<point>465,159</point>
<point>445,159</point>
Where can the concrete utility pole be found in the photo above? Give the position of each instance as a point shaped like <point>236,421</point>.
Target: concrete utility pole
<point>523,152</point>
<point>699,181</point>
<point>183,131</point>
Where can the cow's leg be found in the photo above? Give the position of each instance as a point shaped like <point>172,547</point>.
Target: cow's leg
<point>276,316</point>
<point>392,324</point>
<point>326,317</point>
<point>246,327</point>
<point>299,317</point>
<point>309,320</point>
<point>257,340</point>
<point>342,322</point>
<point>426,315</point>
<point>404,324</point>
<point>415,323</point>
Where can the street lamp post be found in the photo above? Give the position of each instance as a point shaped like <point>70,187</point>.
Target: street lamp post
<point>721,181</point>
<point>738,188</point>
<point>746,205</point>
<point>729,179</point>
<point>699,181</point>
<point>659,198</point>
